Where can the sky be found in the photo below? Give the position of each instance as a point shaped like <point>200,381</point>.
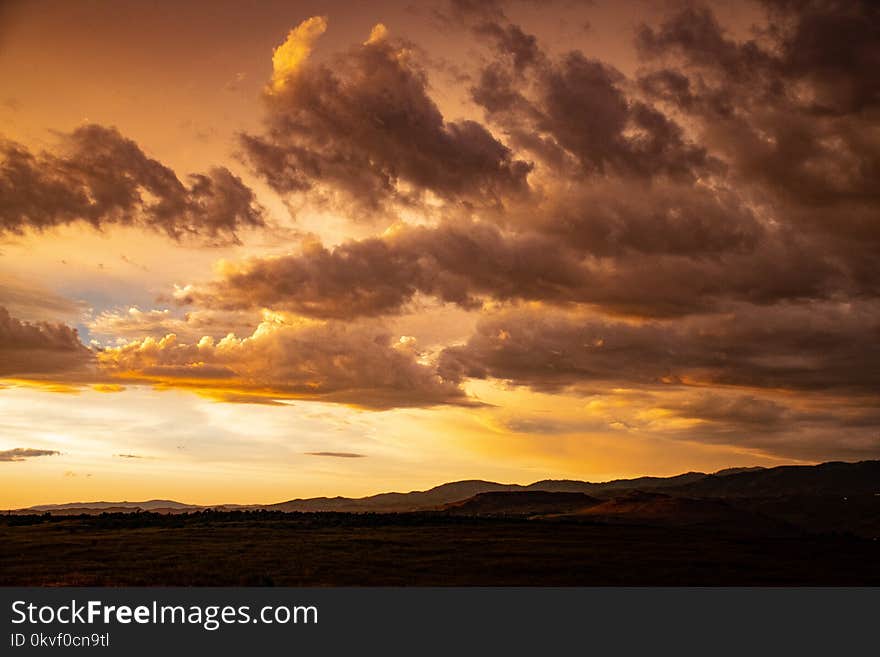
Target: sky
<point>257,251</point>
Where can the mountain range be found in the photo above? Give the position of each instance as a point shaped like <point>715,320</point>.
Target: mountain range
<point>833,478</point>
<point>831,498</point>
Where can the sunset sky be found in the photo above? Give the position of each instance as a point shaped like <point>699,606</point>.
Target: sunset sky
<point>257,251</point>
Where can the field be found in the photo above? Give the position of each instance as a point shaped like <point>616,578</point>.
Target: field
<point>425,549</point>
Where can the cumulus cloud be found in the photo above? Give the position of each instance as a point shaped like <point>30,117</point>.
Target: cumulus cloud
<point>22,453</point>
<point>630,212</point>
<point>290,56</point>
<point>703,234</point>
<point>39,348</point>
<point>366,127</point>
<point>124,324</point>
<point>361,365</point>
<point>99,177</point>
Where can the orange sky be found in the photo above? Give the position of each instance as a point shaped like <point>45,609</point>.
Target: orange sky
<point>507,241</point>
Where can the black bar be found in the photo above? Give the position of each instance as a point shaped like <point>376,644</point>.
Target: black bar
<point>460,621</point>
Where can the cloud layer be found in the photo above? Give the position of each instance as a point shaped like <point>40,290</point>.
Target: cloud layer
<point>692,248</point>
<point>816,346</point>
<point>39,348</point>
<point>99,177</point>
<point>22,453</point>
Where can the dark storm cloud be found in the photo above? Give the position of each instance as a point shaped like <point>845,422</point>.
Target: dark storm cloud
<point>619,218</point>
<point>805,428</point>
<point>773,199</point>
<point>513,41</point>
<point>366,126</point>
<point>735,412</point>
<point>38,348</point>
<point>832,46</point>
<point>465,11</point>
<point>664,263</point>
<point>22,453</point>
<point>810,427</point>
<point>455,263</point>
<point>101,178</point>
<point>814,346</point>
<point>575,110</point>
<point>793,113</point>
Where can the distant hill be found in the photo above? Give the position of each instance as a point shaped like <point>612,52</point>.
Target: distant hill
<point>460,490</point>
<point>149,505</point>
<point>643,508</point>
<point>520,503</point>
<point>127,508</point>
<point>92,511</point>
<point>730,471</point>
<point>396,502</point>
<point>835,479</point>
<point>608,488</point>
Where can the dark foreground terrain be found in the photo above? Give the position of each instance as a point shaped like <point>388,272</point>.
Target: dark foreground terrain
<point>338,549</point>
<point>790,525</point>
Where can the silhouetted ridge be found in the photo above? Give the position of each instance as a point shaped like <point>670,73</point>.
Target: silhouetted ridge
<point>645,508</point>
<point>149,505</point>
<point>507,503</point>
<point>834,478</point>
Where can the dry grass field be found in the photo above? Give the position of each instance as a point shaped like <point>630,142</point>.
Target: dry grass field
<point>413,549</point>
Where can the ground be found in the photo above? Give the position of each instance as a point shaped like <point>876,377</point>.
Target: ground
<point>329,549</point>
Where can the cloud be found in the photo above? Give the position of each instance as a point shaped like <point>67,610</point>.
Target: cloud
<point>574,114</point>
<point>365,127</point>
<point>810,427</point>
<point>360,365</point>
<point>806,347</point>
<point>289,57</point>
<point>27,300</point>
<point>40,348</point>
<point>130,323</point>
<point>511,40</point>
<point>380,275</point>
<point>628,211</point>
<point>683,256</point>
<point>101,178</point>
<point>791,113</point>
<point>341,455</point>
<point>22,453</point>
<point>702,236</point>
